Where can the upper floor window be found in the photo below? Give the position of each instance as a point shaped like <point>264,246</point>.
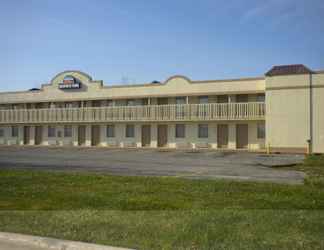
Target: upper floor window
<point>96,104</point>
<point>203,99</point>
<point>14,131</point>
<point>145,101</point>
<point>39,105</point>
<point>110,103</point>
<point>68,105</point>
<point>162,101</point>
<point>181,100</point>
<point>242,98</point>
<point>203,131</point>
<point>131,102</point>
<point>222,99</point>
<point>261,98</point>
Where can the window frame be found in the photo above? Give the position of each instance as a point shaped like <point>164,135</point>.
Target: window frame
<point>130,131</point>
<point>260,98</point>
<point>261,131</point>
<point>110,135</point>
<point>51,131</point>
<point>178,133</point>
<point>203,97</point>
<point>181,100</point>
<point>202,134</point>
<point>67,128</point>
<point>14,131</point>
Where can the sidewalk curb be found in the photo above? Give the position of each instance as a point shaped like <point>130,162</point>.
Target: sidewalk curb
<point>53,244</point>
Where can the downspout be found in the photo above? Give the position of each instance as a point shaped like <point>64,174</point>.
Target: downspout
<point>310,149</point>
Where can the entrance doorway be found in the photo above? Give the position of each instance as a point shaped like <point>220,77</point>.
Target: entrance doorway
<point>162,135</point>
<point>146,135</point>
<point>95,135</point>
<point>222,136</point>
<point>38,135</point>
<point>242,136</point>
<point>81,135</point>
<point>26,135</point>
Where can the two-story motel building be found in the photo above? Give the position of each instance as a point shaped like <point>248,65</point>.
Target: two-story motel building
<point>281,111</point>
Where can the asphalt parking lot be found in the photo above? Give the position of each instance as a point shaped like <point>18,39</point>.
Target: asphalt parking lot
<point>149,162</point>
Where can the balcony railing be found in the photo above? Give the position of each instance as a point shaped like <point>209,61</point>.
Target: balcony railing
<point>185,112</point>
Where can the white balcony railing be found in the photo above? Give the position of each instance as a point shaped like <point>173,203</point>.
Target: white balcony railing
<point>185,112</point>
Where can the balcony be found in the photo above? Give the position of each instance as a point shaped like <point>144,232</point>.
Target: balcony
<point>149,113</point>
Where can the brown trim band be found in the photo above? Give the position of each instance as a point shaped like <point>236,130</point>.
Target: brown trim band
<point>296,87</point>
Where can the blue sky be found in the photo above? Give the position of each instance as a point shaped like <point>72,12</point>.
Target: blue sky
<point>140,41</point>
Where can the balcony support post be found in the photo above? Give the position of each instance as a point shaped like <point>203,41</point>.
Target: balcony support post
<point>103,136</point>
<point>232,136</point>
<point>154,136</point>
<point>138,135</point>
<point>45,135</point>
<point>32,135</point>
<point>213,135</point>
<point>21,135</point>
<point>88,136</point>
<point>75,135</point>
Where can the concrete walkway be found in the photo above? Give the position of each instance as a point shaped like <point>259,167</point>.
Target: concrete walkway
<point>11,241</point>
<point>148,162</point>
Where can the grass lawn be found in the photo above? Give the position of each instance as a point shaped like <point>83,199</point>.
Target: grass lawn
<point>166,213</point>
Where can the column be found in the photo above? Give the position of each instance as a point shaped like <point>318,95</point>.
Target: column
<point>232,98</point>
<point>232,136</point>
<point>154,135</point>
<point>213,135</point>
<point>21,135</point>
<point>103,135</point>
<point>32,135</point>
<point>138,135</point>
<point>88,136</point>
<point>171,136</point>
<point>120,134</point>
<point>75,131</point>
<point>45,135</point>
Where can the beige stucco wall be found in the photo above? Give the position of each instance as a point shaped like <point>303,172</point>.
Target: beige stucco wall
<point>91,90</point>
<point>191,139</point>
<point>288,111</point>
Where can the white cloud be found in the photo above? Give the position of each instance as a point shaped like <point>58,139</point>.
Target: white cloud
<point>271,9</point>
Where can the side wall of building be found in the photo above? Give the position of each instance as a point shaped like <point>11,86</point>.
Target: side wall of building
<point>318,112</point>
<point>288,112</point>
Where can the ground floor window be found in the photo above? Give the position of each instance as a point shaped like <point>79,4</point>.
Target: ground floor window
<point>14,131</point>
<point>110,130</point>
<point>203,130</point>
<point>1,132</point>
<point>51,131</point>
<point>180,131</point>
<point>261,130</point>
<point>67,131</point>
<point>130,131</point>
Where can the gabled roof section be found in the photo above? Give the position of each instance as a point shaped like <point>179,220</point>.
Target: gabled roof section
<point>293,69</point>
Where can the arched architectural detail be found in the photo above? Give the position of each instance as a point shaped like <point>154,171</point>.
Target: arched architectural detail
<point>177,76</point>
<point>71,72</point>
